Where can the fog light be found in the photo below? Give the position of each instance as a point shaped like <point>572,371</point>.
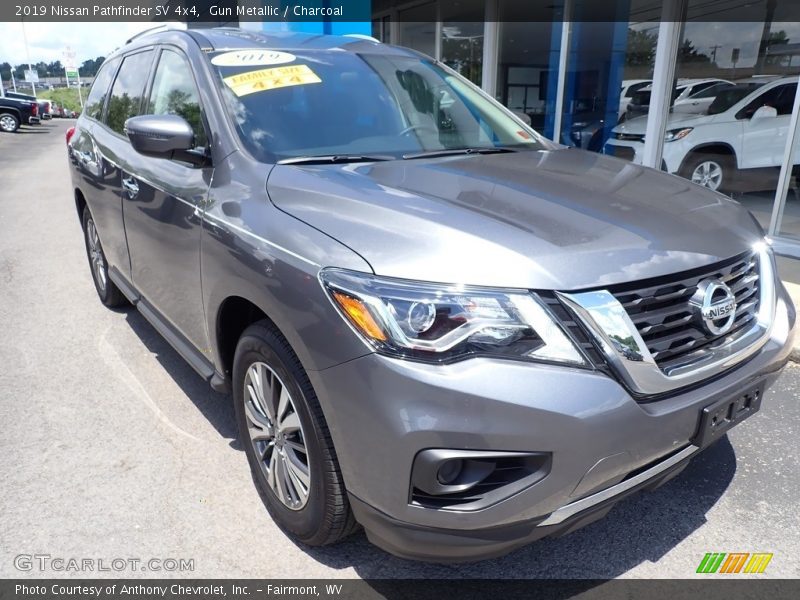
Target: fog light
<point>449,471</point>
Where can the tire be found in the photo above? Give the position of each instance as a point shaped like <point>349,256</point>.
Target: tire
<point>717,172</point>
<point>108,292</point>
<point>324,515</point>
<point>8,122</point>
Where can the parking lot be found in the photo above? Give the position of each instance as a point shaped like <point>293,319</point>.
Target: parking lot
<point>113,448</point>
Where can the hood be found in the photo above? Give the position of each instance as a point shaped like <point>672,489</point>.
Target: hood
<point>678,120</point>
<point>558,219</point>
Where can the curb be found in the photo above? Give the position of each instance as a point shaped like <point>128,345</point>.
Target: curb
<point>794,292</point>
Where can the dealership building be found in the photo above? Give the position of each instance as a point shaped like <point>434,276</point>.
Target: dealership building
<point>705,89</point>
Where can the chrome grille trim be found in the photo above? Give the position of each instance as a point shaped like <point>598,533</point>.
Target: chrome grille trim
<point>671,330</point>
<point>628,354</point>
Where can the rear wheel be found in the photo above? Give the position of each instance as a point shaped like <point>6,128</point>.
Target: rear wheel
<point>287,441</point>
<point>108,292</point>
<point>714,171</point>
<point>8,122</point>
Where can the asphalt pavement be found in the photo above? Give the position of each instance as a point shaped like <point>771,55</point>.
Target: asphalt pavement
<point>112,447</point>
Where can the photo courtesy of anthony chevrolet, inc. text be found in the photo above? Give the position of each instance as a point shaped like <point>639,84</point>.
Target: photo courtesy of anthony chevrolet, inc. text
<point>400,299</point>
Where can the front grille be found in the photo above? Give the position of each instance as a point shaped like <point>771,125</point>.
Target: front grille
<point>668,323</point>
<point>624,152</point>
<point>629,137</point>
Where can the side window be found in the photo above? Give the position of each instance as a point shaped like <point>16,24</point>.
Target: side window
<point>174,93</point>
<point>702,86</point>
<point>99,91</point>
<point>126,94</point>
<point>635,88</point>
<point>781,98</point>
<point>785,101</point>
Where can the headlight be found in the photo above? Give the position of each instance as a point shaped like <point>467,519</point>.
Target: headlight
<point>440,323</point>
<point>674,135</point>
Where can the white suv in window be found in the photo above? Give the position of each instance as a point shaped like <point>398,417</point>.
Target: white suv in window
<point>744,129</point>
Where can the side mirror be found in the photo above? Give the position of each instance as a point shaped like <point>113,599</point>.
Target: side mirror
<point>765,112</point>
<point>162,136</point>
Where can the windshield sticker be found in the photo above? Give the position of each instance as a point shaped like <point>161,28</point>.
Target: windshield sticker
<point>270,79</point>
<point>252,58</point>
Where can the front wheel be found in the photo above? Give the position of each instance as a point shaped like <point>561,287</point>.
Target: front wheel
<point>287,441</point>
<point>714,171</point>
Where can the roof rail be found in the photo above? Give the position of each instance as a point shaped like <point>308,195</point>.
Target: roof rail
<point>170,26</point>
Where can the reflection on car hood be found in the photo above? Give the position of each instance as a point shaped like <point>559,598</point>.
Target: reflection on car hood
<point>638,126</point>
<point>561,219</point>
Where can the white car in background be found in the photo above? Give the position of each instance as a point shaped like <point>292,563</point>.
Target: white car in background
<point>639,104</point>
<point>698,103</point>
<point>745,129</point>
<point>629,88</point>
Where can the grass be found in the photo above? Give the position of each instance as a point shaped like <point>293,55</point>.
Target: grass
<point>67,97</point>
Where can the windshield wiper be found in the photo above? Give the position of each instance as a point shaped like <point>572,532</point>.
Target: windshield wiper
<point>328,159</point>
<point>455,151</point>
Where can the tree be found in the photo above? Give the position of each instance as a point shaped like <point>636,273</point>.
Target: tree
<point>687,53</point>
<point>776,38</point>
<point>641,51</point>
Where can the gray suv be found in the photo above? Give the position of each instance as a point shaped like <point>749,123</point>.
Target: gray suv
<point>433,322</point>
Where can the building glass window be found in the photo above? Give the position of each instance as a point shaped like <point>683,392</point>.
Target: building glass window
<point>417,28</point>
<point>735,129</point>
<point>462,37</point>
<point>528,61</point>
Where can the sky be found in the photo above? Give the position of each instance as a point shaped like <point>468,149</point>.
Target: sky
<point>47,40</point>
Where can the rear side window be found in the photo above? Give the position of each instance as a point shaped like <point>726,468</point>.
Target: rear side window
<point>174,93</point>
<point>126,94</point>
<point>99,91</point>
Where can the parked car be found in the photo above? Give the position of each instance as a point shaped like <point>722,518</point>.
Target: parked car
<point>433,321</point>
<point>743,133</point>
<point>629,88</point>
<point>639,105</point>
<point>587,119</point>
<point>35,118</point>
<point>44,110</point>
<point>698,103</point>
<point>14,112</point>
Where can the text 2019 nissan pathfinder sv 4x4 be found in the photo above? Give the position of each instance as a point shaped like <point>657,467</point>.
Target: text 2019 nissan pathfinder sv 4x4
<point>433,322</point>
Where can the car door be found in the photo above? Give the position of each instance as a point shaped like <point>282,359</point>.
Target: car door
<point>99,178</point>
<point>163,202</point>
<point>764,138</point>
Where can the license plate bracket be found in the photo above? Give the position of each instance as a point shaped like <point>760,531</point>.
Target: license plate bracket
<point>718,418</point>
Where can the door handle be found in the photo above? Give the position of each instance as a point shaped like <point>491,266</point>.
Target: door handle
<point>130,185</point>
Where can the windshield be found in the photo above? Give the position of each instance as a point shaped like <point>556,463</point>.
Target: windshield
<point>345,104</point>
<point>728,97</point>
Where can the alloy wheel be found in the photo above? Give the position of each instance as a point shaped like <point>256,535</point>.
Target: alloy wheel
<point>96,255</point>
<point>7,123</point>
<point>276,434</point>
<point>708,174</point>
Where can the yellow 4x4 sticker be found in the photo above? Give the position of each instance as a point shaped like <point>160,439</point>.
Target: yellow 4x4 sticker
<point>269,79</point>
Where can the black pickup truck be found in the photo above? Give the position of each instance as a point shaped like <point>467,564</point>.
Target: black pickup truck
<point>13,112</point>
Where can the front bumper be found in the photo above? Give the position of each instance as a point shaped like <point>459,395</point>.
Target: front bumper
<point>382,412</point>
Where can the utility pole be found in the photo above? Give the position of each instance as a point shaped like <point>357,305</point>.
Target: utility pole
<point>714,49</point>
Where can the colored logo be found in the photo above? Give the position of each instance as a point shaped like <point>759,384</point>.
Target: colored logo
<point>734,562</point>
